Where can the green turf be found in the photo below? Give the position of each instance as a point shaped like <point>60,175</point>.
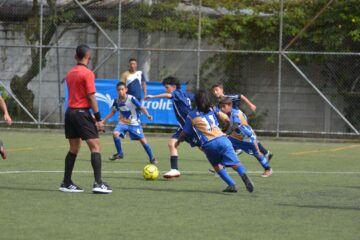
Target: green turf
<point>313,194</point>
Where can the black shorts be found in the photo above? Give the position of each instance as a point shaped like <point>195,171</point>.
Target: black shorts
<point>80,124</point>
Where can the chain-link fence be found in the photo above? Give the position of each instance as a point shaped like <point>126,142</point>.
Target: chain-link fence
<point>297,61</point>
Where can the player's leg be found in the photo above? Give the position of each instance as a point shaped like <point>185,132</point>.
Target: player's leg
<point>148,150</point>
<point>265,152</point>
<point>262,159</point>
<point>174,170</point>
<point>117,142</point>
<point>229,158</point>
<point>2,150</point>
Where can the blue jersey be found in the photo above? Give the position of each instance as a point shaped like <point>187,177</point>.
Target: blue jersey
<point>182,105</point>
<point>205,125</point>
<point>133,82</point>
<point>129,110</point>
<point>242,130</point>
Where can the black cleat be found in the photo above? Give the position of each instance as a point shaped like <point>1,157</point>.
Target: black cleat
<point>101,188</point>
<point>154,161</point>
<point>248,183</point>
<point>72,187</point>
<point>116,156</point>
<point>231,189</point>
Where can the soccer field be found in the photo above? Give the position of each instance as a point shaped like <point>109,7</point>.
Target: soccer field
<point>314,193</point>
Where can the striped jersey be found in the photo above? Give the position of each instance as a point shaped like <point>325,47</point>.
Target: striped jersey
<point>242,130</point>
<point>205,125</point>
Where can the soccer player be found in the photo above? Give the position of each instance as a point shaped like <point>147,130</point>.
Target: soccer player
<point>135,80</point>
<point>79,122</point>
<point>129,121</point>
<point>182,106</point>
<point>242,135</point>
<point>214,143</point>
<point>8,120</point>
<point>218,91</point>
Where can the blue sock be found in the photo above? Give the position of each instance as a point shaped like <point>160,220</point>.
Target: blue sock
<point>264,162</point>
<point>118,145</point>
<point>226,177</point>
<point>148,151</point>
<point>241,170</point>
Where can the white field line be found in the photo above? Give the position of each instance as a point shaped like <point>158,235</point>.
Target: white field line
<point>185,172</point>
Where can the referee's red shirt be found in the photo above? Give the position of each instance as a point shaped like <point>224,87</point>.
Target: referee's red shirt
<point>80,82</point>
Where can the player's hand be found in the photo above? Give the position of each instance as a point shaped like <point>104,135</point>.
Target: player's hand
<point>148,97</point>
<point>100,126</point>
<point>150,117</point>
<point>253,107</point>
<point>8,119</point>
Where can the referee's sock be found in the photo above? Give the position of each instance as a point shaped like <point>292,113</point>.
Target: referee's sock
<point>69,166</point>
<point>117,142</point>
<point>96,164</point>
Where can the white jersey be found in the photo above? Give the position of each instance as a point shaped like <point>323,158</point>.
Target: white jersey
<point>129,110</point>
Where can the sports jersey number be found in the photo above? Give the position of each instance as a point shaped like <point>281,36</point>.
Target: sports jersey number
<point>209,121</point>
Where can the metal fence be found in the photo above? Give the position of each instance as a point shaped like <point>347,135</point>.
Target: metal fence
<point>285,56</point>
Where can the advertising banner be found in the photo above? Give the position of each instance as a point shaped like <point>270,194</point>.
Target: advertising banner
<point>161,109</point>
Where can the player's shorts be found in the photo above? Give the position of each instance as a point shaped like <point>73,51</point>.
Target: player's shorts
<point>220,151</point>
<point>80,124</point>
<point>190,138</point>
<point>135,132</point>
<point>248,147</point>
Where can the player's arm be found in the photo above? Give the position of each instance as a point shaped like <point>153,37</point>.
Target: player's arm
<point>91,90</point>
<point>223,118</point>
<point>110,114</point>
<point>144,110</point>
<point>5,110</point>
<point>143,84</point>
<point>161,95</point>
<point>249,103</point>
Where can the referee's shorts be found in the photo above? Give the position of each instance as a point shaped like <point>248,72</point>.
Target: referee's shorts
<point>80,124</point>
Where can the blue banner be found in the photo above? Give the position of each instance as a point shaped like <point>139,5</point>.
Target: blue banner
<point>161,109</point>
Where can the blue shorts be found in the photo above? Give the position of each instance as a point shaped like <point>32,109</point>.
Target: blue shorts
<point>190,138</point>
<point>220,151</point>
<point>135,132</point>
<point>248,147</point>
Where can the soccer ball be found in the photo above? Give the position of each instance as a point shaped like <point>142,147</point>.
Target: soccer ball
<point>150,172</point>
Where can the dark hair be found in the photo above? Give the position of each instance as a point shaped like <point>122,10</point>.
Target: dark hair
<point>132,59</point>
<point>202,101</point>
<point>171,81</point>
<point>220,85</point>
<point>225,100</point>
<point>81,51</point>
<point>120,84</point>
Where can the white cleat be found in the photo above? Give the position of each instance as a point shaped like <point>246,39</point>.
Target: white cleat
<point>238,152</point>
<point>173,173</point>
<point>267,173</point>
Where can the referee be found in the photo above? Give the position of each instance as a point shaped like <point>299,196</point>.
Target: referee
<point>80,124</point>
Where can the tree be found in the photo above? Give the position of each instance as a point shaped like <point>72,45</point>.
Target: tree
<point>58,14</point>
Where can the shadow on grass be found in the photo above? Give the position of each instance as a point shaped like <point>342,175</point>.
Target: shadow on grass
<point>321,207</point>
<point>28,189</point>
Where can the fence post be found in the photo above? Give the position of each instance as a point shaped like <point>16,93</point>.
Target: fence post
<point>280,67</point>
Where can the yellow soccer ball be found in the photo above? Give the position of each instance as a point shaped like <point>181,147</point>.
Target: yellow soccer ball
<point>150,172</point>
